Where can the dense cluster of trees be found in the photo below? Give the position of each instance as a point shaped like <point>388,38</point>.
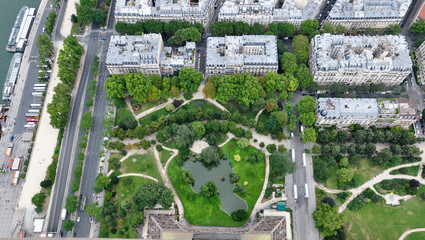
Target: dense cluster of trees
<point>68,62</point>
<point>418,27</point>
<point>393,29</point>
<point>280,165</point>
<point>367,196</point>
<point>222,28</point>
<point>153,26</point>
<point>49,24</point>
<point>45,53</point>
<point>328,220</point>
<point>88,13</point>
<point>151,88</point>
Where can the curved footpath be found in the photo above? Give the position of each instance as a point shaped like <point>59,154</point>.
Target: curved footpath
<point>138,175</point>
<point>404,235</point>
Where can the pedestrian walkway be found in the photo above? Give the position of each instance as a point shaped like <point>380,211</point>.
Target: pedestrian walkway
<point>137,175</point>
<point>404,235</point>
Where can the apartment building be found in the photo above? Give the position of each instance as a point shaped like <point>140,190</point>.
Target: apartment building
<point>172,60</point>
<point>240,54</point>
<point>367,13</point>
<point>268,11</point>
<point>344,112</point>
<point>131,11</point>
<point>356,60</point>
<point>420,56</point>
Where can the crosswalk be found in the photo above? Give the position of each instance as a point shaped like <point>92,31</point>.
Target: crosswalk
<point>17,138</point>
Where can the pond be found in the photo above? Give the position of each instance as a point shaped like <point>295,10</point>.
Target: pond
<point>230,202</point>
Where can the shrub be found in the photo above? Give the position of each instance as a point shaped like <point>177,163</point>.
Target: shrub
<point>145,144</point>
<point>89,103</point>
<point>243,143</point>
<point>239,215</point>
<point>188,95</point>
<point>329,201</point>
<point>38,200</point>
<point>271,148</point>
<point>234,178</point>
<point>282,148</point>
<point>170,107</point>
<point>262,144</point>
<point>46,183</point>
<point>159,147</point>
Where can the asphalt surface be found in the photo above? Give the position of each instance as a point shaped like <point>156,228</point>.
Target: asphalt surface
<point>325,12</point>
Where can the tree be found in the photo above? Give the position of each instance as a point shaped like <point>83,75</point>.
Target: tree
<point>100,183</point>
<point>45,47</point>
<point>301,48</point>
<point>84,14</point>
<point>307,119</point>
<point>245,88</point>
<point>309,135</point>
<point>243,143</point>
<point>288,63</point>
<point>234,178</point>
<point>38,200</point>
<point>345,175</point>
<point>286,29</point>
<point>257,29</point>
<point>368,31</point>
<point>152,193</point>
<point>184,136</point>
<point>99,16</point>
<point>414,183</point>
<point>281,118</point>
<point>187,177</point>
<point>71,204</point>
<point>210,90</point>
<point>187,34</point>
<point>60,106</point>
<point>280,165</point>
<point>393,29</point>
<point>198,128</point>
<point>115,86</point>
<point>339,29</point>
<point>383,157</point>
<point>328,220</point>
<point>199,26</point>
<point>153,26</point>
<point>258,105</point>
<point>50,22</point>
<point>221,28</point>
<point>306,104</point>
<point>418,27</point>
<point>189,80</point>
<point>136,219</point>
<point>240,215</point>
<point>242,28</point>
<point>271,104</point>
<point>327,28</point>
<point>328,200</point>
<point>209,190</point>
<point>309,26</point>
<point>93,210</point>
<point>271,124</point>
<point>68,225</point>
<point>305,79</point>
<point>87,120</point>
<point>46,183</point>
<point>209,156</point>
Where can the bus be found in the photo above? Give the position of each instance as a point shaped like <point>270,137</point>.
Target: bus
<point>33,110</point>
<point>40,85</point>
<point>37,94</point>
<point>83,203</point>
<point>304,160</point>
<point>32,119</point>
<point>295,192</point>
<point>306,190</point>
<point>293,155</point>
<point>31,115</point>
<point>15,178</point>
<point>35,105</point>
<point>39,89</point>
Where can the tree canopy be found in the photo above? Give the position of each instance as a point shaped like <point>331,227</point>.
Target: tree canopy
<point>150,194</point>
<point>328,220</point>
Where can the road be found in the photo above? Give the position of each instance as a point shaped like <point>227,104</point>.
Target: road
<point>303,208</point>
<point>325,12</point>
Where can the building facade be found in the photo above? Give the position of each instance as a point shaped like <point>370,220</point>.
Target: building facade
<point>131,11</point>
<point>366,112</point>
<point>240,54</point>
<point>367,13</point>
<point>268,11</point>
<point>172,60</point>
<point>356,60</point>
<point>420,56</point>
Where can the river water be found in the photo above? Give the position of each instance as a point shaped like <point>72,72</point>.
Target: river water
<point>8,11</point>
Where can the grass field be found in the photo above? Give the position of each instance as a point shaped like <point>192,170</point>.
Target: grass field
<point>412,171</point>
<point>148,119</point>
<point>362,173</point>
<point>373,221</point>
<point>121,112</point>
<point>320,194</point>
<point>164,155</point>
<point>147,106</point>
<point>145,164</point>
<point>416,236</point>
<point>202,211</point>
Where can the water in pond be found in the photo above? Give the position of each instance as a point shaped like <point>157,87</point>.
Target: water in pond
<point>230,202</point>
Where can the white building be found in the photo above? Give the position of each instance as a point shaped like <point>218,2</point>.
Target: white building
<point>131,11</point>
<point>267,11</point>
<point>420,56</point>
<point>367,13</point>
<point>147,54</point>
<point>344,112</point>
<point>172,60</point>
<point>240,54</point>
<point>356,60</point>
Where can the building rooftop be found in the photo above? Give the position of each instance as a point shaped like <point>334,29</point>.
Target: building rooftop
<point>290,9</point>
<point>334,108</point>
<point>369,9</point>
<point>180,56</point>
<point>384,53</point>
<point>134,50</point>
<point>235,50</point>
<point>161,7</point>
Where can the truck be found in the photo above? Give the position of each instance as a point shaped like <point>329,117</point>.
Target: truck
<point>83,203</point>
<point>9,149</point>
<point>306,190</point>
<point>304,160</point>
<point>293,155</point>
<point>63,214</point>
<point>295,192</point>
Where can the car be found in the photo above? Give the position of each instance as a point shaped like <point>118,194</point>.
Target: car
<point>79,197</point>
<point>103,39</point>
<point>43,29</point>
<point>74,234</point>
<point>285,38</point>
<point>417,131</point>
<point>61,234</point>
<point>78,219</point>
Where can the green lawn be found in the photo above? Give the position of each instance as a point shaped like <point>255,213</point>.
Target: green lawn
<point>145,164</point>
<point>203,104</point>
<point>412,171</point>
<point>147,105</point>
<point>202,211</point>
<point>363,172</point>
<point>125,191</point>
<point>252,173</point>
<point>164,155</point>
<point>373,221</point>
<point>416,236</point>
<point>121,112</point>
<point>320,194</point>
<point>152,117</point>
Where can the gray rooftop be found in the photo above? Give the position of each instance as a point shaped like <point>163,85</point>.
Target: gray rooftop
<point>134,50</point>
<point>359,9</point>
<point>384,53</point>
<point>347,107</point>
<point>232,50</point>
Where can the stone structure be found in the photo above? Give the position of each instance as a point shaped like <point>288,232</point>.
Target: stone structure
<point>356,60</point>
<point>172,60</point>
<point>240,54</point>
<point>344,112</point>
<point>367,13</point>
